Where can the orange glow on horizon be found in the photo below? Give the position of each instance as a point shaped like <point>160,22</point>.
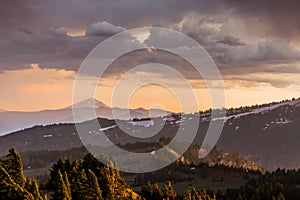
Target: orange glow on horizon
<point>36,89</point>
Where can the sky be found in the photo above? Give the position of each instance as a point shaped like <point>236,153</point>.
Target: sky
<point>255,45</point>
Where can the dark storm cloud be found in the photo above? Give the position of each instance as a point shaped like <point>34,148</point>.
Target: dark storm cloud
<point>275,17</point>
<point>269,58</point>
<point>265,17</point>
<point>23,39</point>
<point>278,18</point>
<point>52,48</point>
<point>38,14</point>
<point>269,51</point>
<point>144,56</point>
<point>35,31</point>
<point>232,41</point>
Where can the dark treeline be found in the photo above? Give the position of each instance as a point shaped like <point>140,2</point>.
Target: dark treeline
<point>79,180</point>
<point>278,185</point>
<point>90,179</point>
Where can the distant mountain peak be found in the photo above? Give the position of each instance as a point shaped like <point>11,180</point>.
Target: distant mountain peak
<point>89,103</point>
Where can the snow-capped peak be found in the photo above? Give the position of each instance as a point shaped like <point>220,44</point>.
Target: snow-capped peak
<point>89,103</point>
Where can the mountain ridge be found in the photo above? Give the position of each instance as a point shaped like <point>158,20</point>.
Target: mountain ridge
<point>269,137</point>
<point>16,120</point>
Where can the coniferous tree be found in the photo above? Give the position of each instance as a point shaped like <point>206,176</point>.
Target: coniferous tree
<point>130,196</point>
<point>9,189</point>
<point>76,184</point>
<point>239,197</point>
<point>92,163</point>
<point>147,190</point>
<point>14,167</point>
<point>169,192</point>
<point>79,184</point>
<point>85,184</point>
<point>204,196</point>
<point>107,182</point>
<point>67,184</point>
<point>67,167</point>
<point>94,191</point>
<point>191,194</point>
<point>32,187</point>
<point>62,192</point>
<point>157,194</point>
<point>280,196</point>
<point>54,175</point>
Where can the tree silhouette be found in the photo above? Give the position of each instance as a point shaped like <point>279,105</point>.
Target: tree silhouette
<point>169,192</point>
<point>62,191</point>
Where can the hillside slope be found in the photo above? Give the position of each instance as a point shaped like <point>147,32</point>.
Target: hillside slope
<point>267,134</point>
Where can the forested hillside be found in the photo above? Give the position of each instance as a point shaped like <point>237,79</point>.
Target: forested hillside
<point>90,179</point>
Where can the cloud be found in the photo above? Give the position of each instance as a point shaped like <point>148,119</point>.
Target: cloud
<point>264,18</point>
<point>232,41</point>
<point>52,48</point>
<point>241,36</point>
<point>268,18</point>
<point>261,79</point>
<point>103,29</point>
<point>284,69</point>
<point>265,52</point>
<point>59,32</point>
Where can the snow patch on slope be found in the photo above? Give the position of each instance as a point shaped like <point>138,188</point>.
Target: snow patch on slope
<point>263,109</point>
<point>142,123</point>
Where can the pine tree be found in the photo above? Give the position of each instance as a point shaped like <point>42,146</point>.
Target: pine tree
<point>90,162</point>
<point>107,182</point>
<point>13,184</point>
<point>32,187</point>
<point>84,184</point>
<point>100,182</point>
<point>94,191</point>
<point>54,175</point>
<point>147,190</point>
<point>67,165</point>
<point>204,196</point>
<point>169,192</point>
<point>9,189</point>
<point>191,194</point>
<point>80,184</point>
<point>67,183</point>
<point>76,184</point>
<point>157,194</point>
<point>239,197</point>
<point>130,196</point>
<point>62,191</point>
<point>280,196</point>
<point>14,167</point>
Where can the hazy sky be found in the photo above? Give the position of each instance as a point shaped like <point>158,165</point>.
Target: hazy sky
<point>255,44</point>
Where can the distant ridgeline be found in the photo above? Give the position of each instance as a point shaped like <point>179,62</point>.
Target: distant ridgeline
<point>267,134</point>
<point>43,159</point>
